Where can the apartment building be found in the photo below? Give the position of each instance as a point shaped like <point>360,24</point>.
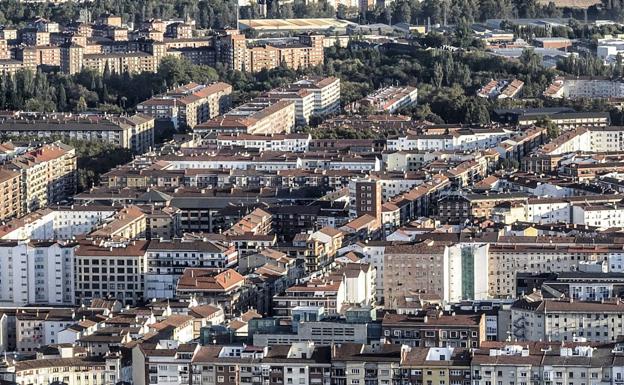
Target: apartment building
<point>324,332</point>
<point>133,62</point>
<point>436,365</point>
<point>546,362</point>
<point>61,223</point>
<point>434,328</point>
<point>128,223</point>
<point>47,175</point>
<point>459,208</point>
<point>189,104</point>
<point>300,363</point>
<point>36,272</point>
<point>326,91</point>
<point>585,87</point>
<point>134,132</point>
<point>363,364</point>
<point>259,116</point>
<point>301,52</point>
<point>34,37</point>
<point>578,285</point>
<point>69,370</point>
<point>513,255</point>
<point>390,99</point>
<point>111,270</point>
<point>365,197</point>
<point>10,194</point>
<point>535,319</point>
<point>275,142</point>
<point>162,363</point>
<point>167,260</point>
<point>456,139</point>
<point>257,222</point>
<point>351,285</point>
<point>223,287</point>
<point>603,215</point>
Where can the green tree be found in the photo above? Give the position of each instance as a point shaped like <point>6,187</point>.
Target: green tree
<point>552,130</point>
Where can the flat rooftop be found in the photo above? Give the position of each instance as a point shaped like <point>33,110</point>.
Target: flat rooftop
<point>293,24</point>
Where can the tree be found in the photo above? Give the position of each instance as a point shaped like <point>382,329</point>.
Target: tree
<point>477,112</point>
<point>618,69</point>
<point>81,106</point>
<point>438,75</point>
<point>530,59</point>
<point>552,129</point>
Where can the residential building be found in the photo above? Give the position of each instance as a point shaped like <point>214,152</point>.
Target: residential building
<point>260,116</point>
<point>214,286</point>
<point>36,273</point>
<point>47,175</point>
<point>111,269</point>
<point>11,193</point>
<point>535,319</point>
<point>434,328</point>
<point>134,132</point>
<point>190,104</point>
<point>167,260</point>
<point>390,99</point>
<point>299,363</point>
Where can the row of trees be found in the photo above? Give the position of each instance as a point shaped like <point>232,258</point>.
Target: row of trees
<point>221,13</point>
<point>46,92</point>
<point>207,13</point>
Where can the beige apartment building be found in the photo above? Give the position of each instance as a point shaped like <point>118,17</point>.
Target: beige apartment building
<point>47,175</point>
<point>10,194</point>
<point>239,54</point>
<point>255,117</point>
<point>110,269</point>
<point>189,104</point>
<point>129,223</point>
<point>507,259</point>
<point>417,267</point>
<point>134,132</point>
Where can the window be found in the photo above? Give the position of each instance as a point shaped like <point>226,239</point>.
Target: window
<point>220,379</point>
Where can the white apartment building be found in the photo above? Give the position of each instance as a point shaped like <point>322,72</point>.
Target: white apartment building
<point>326,93</point>
<point>565,320</point>
<point>463,139</point>
<point>598,215</point>
<point>374,255</point>
<point>562,210</point>
<point>303,100</point>
<point>275,142</point>
<point>61,222</point>
<point>168,363</point>
<point>391,99</point>
<point>166,261</point>
<point>36,273</point>
<point>67,370</point>
<point>585,87</point>
<point>393,185</point>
